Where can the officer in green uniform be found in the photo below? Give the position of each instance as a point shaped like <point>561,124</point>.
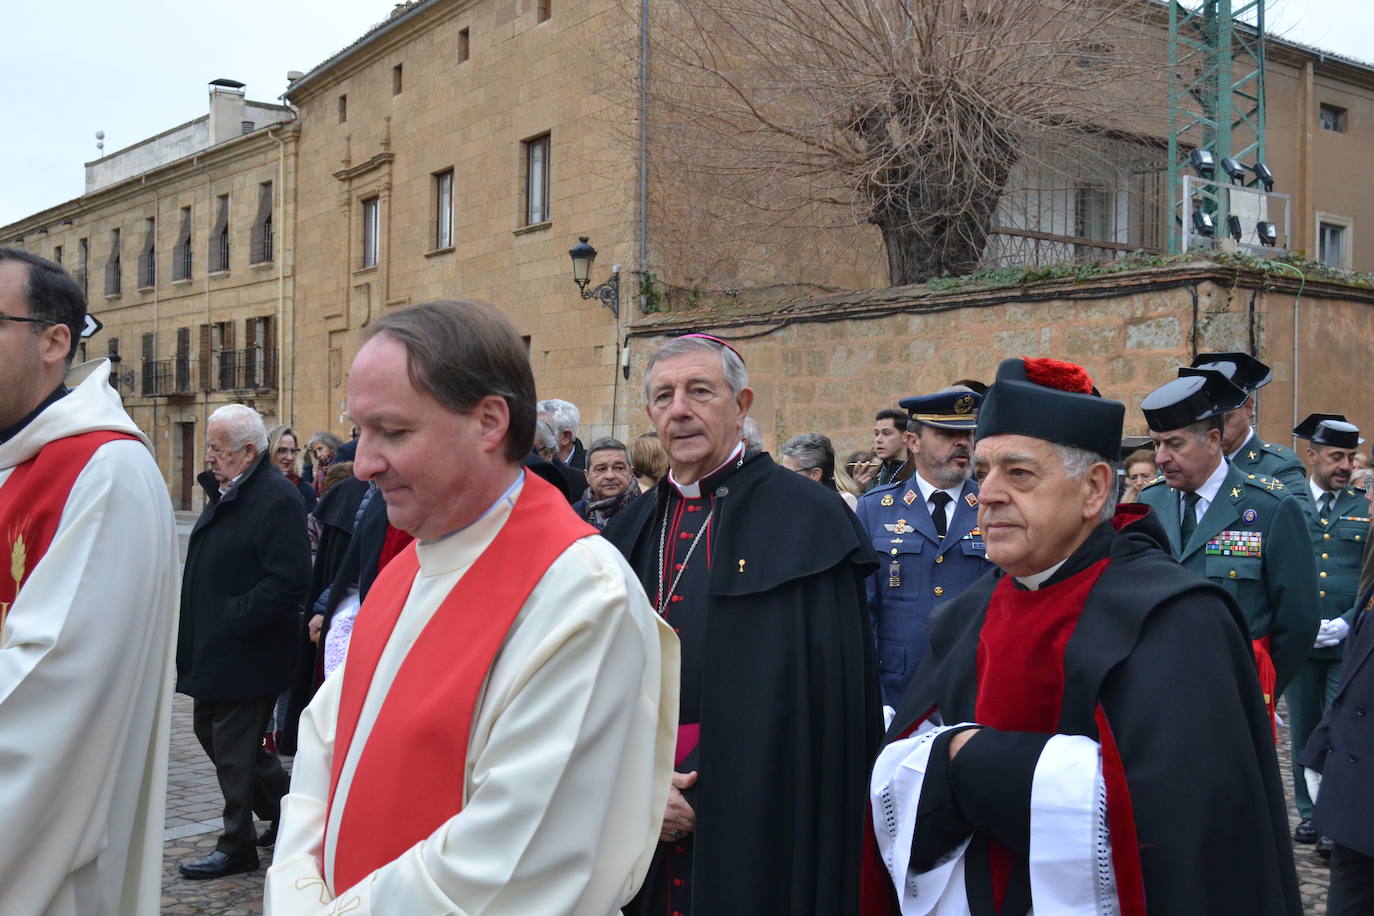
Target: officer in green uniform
<point>1239,441</point>
<point>1238,529</point>
<point>1338,521</point>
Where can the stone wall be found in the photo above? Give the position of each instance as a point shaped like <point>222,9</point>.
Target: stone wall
<point>828,365</point>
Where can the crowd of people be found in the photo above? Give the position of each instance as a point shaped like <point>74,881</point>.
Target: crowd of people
<point>1006,660</point>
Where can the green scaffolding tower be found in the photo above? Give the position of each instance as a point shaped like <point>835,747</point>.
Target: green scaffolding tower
<point>1216,95</point>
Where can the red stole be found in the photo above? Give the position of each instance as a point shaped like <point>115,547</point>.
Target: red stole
<point>409,777</point>
<point>29,515</point>
<point>1021,688</point>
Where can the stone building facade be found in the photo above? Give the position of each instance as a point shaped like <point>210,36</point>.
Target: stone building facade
<point>187,267</point>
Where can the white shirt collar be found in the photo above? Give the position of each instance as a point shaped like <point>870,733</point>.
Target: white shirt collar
<point>1248,437</point>
<point>1211,486</point>
<point>1318,492</point>
<point>928,488</point>
<point>1035,580</point>
<point>693,490</point>
<point>507,498</point>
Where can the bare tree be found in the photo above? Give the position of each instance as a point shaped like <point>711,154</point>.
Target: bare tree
<point>906,115</point>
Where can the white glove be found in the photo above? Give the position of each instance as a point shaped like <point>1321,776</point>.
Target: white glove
<point>1314,783</point>
<point>1331,633</point>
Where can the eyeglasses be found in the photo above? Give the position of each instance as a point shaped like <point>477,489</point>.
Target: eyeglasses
<point>283,450</point>
<point>46,322</point>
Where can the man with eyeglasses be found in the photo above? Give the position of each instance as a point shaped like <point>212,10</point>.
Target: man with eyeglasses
<point>247,572</point>
<point>88,579</point>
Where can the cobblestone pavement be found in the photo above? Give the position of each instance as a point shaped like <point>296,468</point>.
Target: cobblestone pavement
<point>194,806</point>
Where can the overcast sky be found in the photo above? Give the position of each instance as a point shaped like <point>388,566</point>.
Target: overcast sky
<point>135,69</point>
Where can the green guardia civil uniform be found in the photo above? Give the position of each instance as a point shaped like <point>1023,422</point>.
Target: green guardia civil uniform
<point>1253,542</point>
<point>1339,538</point>
<point>1268,459</point>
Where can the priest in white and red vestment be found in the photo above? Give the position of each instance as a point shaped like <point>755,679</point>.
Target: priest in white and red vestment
<point>1086,735</point>
<point>88,610</point>
<point>499,738</point>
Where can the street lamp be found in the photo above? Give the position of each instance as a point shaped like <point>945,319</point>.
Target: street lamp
<point>583,256</point>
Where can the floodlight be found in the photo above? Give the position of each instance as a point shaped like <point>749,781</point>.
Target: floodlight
<point>1234,169</point>
<point>1268,233</point>
<point>1265,176</point>
<point>1204,163</point>
<point>1233,225</point>
<point>1202,223</point>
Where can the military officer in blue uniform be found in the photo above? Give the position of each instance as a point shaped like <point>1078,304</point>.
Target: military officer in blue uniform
<point>1241,445</point>
<point>925,530</point>
<point>1238,529</point>
<point>1338,523</point>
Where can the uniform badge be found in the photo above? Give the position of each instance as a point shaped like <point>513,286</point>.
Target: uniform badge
<point>1249,515</point>
<point>971,499</point>
<point>901,527</point>
<point>964,405</point>
<point>909,497</point>
<point>1353,518</point>
<point>1253,455</point>
<point>1235,492</point>
<point>1235,544</point>
<point>886,501</point>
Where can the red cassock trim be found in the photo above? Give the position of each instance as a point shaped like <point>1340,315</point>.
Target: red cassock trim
<point>29,515</point>
<point>1268,679</point>
<point>1130,879</point>
<point>409,778</point>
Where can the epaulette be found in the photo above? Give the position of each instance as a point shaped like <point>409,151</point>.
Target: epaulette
<point>1269,484</point>
<point>1159,479</point>
<point>882,488</point>
<point>1277,449</point>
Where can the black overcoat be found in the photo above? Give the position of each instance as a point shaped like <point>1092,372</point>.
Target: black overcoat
<point>1167,657</point>
<point>790,712</point>
<point>1342,746</point>
<point>246,574</point>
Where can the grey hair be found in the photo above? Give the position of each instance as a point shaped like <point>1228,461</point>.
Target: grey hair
<point>810,450</point>
<point>1201,427</point>
<point>564,413</point>
<point>328,440</point>
<point>242,424</point>
<point>736,375</point>
<point>607,444</point>
<point>1077,461</point>
<point>544,435</point>
<point>752,434</point>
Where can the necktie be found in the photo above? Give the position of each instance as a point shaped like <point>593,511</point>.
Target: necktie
<point>1325,505</point>
<point>1189,523</point>
<point>938,500</point>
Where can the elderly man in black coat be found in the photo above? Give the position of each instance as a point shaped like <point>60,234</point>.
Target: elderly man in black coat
<point>247,571</point>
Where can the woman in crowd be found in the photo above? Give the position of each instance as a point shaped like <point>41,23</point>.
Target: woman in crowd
<point>1140,470</point>
<point>284,451</point>
<point>812,455</point>
<point>649,460</point>
<point>322,447</point>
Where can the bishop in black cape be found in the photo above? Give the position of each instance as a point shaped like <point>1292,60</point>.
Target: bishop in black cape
<point>786,687</point>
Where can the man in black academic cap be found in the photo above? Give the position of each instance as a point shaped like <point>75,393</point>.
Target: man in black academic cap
<point>1241,445</point>
<point>1243,531</point>
<point>1338,523</point>
<point>1087,729</point>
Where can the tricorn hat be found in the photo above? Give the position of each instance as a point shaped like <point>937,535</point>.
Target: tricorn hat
<point>1051,400</point>
<point>1242,369</point>
<point>1329,429</point>
<point>1189,399</point>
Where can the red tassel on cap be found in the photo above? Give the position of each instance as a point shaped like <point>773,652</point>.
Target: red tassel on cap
<point>1053,373</point>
